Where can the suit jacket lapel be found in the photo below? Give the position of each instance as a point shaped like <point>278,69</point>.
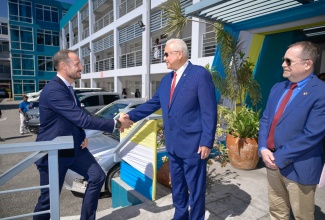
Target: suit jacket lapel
<point>57,79</point>
<point>183,78</point>
<point>305,92</point>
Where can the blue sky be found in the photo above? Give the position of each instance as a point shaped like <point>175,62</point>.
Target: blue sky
<point>4,9</point>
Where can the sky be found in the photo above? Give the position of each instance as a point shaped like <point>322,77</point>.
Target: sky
<point>4,8</point>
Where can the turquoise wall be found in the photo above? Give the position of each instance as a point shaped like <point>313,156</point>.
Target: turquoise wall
<point>268,69</point>
<point>72,12</point>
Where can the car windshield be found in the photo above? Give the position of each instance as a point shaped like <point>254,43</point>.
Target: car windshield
<point>111,111</point>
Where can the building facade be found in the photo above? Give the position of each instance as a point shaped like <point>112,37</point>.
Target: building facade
<point>34,39</point>
<point>113,41</point>
<point>5,70</point>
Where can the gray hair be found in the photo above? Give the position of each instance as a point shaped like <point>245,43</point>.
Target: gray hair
<point>178,44</point>
<point>309,51</point>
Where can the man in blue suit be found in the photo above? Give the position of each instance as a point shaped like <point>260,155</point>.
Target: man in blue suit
<point>291,134</point>
<point>61,115</point>
<point>188,102</point>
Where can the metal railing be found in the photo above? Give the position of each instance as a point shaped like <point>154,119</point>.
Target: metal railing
<point>128,5</point>
<point>75,40</point>
<point>104,21</point>
<point>84,13</point>
<point>98,3</point>
<point>86,68</point>
<point>105,64</point>
<point>131,59</point>
<point>208,44</point>
<point>74,23</point>
<point>85,33</point>
<point>39,150</point>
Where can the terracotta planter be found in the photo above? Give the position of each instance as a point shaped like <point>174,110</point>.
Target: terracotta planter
<point>242,152</point>
<point>163,175</point>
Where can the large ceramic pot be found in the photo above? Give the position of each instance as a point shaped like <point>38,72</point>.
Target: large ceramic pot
<point>163,175</point>
<point>242,152</point>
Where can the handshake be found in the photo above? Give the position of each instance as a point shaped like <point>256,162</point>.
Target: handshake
<point>125,122</point>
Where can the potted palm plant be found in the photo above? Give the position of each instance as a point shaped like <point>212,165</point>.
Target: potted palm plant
<point>235,83</point>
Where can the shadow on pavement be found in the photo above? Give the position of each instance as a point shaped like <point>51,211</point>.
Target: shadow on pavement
<point>16,137</point>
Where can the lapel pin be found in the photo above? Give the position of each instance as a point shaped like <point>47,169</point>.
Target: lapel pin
<point>305,93</point>
<point>184,74</point>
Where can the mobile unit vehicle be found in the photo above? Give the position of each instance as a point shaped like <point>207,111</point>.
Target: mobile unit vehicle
<point>94,101</point>
<point>102,145</point>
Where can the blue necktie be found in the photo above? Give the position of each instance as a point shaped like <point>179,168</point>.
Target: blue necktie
<point>72,92</point>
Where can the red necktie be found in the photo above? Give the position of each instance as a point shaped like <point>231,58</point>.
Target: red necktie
<point>172,88</point>
<point>277,116</point>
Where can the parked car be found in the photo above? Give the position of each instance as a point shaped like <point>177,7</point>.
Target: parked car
<point>32,121</point>
<point>101,145</point>
<point>33,96</point>
<point>102,148</point>
<point>94,101</point>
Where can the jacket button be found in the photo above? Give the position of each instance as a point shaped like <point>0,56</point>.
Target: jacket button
<point>170,129</point>
<point>169,116</point>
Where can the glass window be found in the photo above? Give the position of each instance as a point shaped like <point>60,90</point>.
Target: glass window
<point>23,64</point>
<point>45,63</point>
<point>110,98</point>
<point>4,28</point>
<point>42,83</point>
<point>23,86</point>
<point>21,37</point>
<point>111,111</point>
<point>20,10</point>
<point>47,13</point>
<point>48,37</point>
<point>91,101</point>
<point>40,38</point>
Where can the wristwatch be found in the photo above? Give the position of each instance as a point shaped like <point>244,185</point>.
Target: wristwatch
<point>118,124</point>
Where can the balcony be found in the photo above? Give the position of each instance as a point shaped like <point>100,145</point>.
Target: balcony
<point>84,14</point>
<point>208,44</point>
<point>98,3</point>
<point>104,21</point>
<point>128,5</point>
<point>85,34</point>
<point>131,59</point>
<point>75,40</point>
<point>104,44</point>
<point>105,64</point>
<point>86,68</point>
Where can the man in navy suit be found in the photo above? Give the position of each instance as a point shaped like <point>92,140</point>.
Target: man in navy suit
<point>290,143</point>
<point>188,102</point>
<point>61,115</point>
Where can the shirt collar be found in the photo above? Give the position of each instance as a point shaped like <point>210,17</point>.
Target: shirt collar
<point>304,81</point>
<point>181,70</point>
<point>65,81</point>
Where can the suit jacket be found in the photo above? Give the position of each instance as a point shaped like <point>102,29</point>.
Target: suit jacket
<point>191,120</point>
<point>298,137</point>
<point>61,116</point>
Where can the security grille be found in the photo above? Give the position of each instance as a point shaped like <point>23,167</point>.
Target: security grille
<point>104,43</point>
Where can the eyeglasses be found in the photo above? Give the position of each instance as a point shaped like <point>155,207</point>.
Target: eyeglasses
<point>289,62</point>
<point>167,54</point>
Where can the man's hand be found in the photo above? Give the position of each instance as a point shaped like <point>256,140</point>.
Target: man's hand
<point>126,122</point>
<point>269,159</point>
<point>204,151</point>
<point>84,143</point>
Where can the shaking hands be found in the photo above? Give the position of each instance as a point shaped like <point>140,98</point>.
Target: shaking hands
<point>125,121</point>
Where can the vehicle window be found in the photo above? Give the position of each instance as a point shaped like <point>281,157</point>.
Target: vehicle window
<point>91,101</point>
<point>110,98</point>
<point>111,111</point>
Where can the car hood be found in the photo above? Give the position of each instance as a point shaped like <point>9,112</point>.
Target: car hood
<point>99,142</point>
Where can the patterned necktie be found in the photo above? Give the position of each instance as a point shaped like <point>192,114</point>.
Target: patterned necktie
<point>277,116</point>
<point>172,88</point>
<point>72,92</point>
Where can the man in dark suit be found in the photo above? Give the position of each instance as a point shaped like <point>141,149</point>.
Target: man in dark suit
<point>188,102</point>
<point>61,115</point>
<point>291,134</point>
